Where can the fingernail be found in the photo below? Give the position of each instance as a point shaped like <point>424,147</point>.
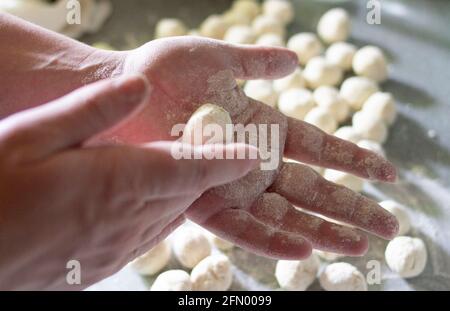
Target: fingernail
<point>133,87</point>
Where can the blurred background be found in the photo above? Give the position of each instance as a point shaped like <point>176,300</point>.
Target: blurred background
<point>415,36</point>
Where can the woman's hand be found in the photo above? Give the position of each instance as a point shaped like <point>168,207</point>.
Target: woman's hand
<point>102,206</point>
<point>257,212</point>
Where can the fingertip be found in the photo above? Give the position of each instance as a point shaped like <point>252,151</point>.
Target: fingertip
<point>135,88</point>
<point>285,246</point>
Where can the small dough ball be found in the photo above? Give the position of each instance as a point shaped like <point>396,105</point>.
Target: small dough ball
<point>212,274</point>
<point>369,127</point>
<point>236,18</point>
<point>261,90</point>
<point>293,81</point>
<point>306,45</point>
<point>370,62</point>
<point>345,179</point>
<point>281,10</point>
<point>249,8</point>
<point>341,276</point>
<point>348,133</point>
<point>196,131</point>
<point>381,106</point>
<point>194,33</point>
<point>320,73</point>
<point>190,246</point>
<point>328,256</point>
<point>356,90</point>
<point>270,39</point>
<point>328,98</point>
<point>154,260</point>
<point>214,27</point>
<point>322,119</point>
<point>240,34</point>
<point>296,103</point>
<point>221,244</point>
<point>406,256</point>
<point>266,24</point>
<point>341,54</point>
<point>400,212</point>
<point>170,27</point>
<point>372,146</point>
<point>172,280</point>
<point>297,275</point>
<point>334,26</point>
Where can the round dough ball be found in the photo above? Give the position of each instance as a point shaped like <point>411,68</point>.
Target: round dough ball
<point>270,39</point>
<point>406,256</point>
<point>369,127</point>
<point>356,90</point>
<point>194,33</point>
<point>370,62</point>
<point>293,81</point>
<point>214,27</point>
<point>322,119</point>
<point>296,103</point>
<point>212,274</point>
<point>400,212</point>
<point>348,133</point>
<point>328,256</point>
<point>320,73</point>
<point>281,10</point>
<point>266,24</point>
<point>172,280</point>
<point>240,34</point>
<point>297,275</point>
<point>208,114</point>
<point>328,98</point>
<point>381,106</point>
<point>190,246</point>
<point>154,260</point>
<point>218,242</point>
<point>341,54</point>
<point>249,8</point>
<point>306,45</point>
<point>372,146</point>
<point>345,179</point>
<point>341,276</point>
<point>334,26</point>
<point>170,27</point>
<point>236,18</point>
<point>261,90</point>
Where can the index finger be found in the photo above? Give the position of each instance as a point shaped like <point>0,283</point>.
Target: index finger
<point>308,144</point>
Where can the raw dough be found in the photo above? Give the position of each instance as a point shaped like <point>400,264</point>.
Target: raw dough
<point>297,275</point>
<point>266,24</point>
<point>341,54</point>
<point>381,106</point>
<point>342,276</point>
<point>406,256</point>
<point>154,260</point>
<point>370,62</point>
<point>190,246</point>
<point>345,179</point>
<point>369,127</point>
<point>261,90</point>
<point>270,39</point>
<point>293,81</point>
<point>328,256</point>
<point>240,34</point>
<point>281,10</point>
<point>328,98</point>
<point>306,45</point>
<point>320,73</point>
<point>334,26</point>
<point>208,114</point>
<point>172,280</point>
<point>249,8</point>
<point>400,212</point>
<point>372,146</point>
<point>214,27</point>
<point>296,103</point>
<point>322,119</point>
<point>356,90</point>
<point>212,274</point>
<point>348,133</point>
<point>170,27</point>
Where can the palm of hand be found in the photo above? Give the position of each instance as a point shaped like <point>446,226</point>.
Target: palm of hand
<point>257,212</point>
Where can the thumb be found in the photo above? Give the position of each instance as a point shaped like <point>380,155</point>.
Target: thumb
<point>74,118</point>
